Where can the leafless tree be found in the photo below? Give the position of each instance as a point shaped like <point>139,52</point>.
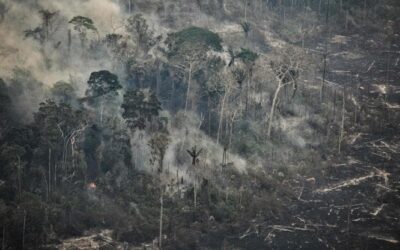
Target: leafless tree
<point>286,74</point>
<point>159,144</point>
<point>194,153</point>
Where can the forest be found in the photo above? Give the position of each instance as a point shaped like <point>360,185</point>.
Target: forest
<point>199,124</point>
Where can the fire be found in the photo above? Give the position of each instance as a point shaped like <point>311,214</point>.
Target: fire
<point>91,185</point>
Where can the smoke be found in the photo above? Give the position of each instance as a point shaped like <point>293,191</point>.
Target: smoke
<point>52,60</point>
<point>47,62</point>
<point>185,134</point>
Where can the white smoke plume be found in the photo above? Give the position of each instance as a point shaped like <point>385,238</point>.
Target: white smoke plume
<point>18,51</point>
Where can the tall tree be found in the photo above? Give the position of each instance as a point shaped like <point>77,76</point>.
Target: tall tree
<point>82,25</point>
<point>286,74</point>
<point>187,50</point>
<point>194,154</point>
<point>249,58</point>
<point>54,122</point>
<point>102,91</point>
<point>159,144</point>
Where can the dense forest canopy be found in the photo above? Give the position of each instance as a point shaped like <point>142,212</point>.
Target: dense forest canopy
<point>215,124</point>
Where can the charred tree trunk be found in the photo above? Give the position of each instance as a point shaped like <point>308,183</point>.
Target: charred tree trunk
<point>272,112</point>
<point>49,182</point>
<point>342,123</point>
<point>188,87</point>
<point>19,179</point>
<point>23,230</point>
<point>161,217</point>
<point>325,52</point>
<point>221,115</point>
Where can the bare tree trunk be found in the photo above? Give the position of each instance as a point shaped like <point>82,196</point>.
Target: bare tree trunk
<point>177,182</point>
<point>158,79</point>
<point>49,171</point>
<point>321,93</point>
<point>342,123</point>
<point>249,81</point>
<point>69,42</point>
<point>271,116</point>
<point>101,112</point>
<point>172,95</point>
<point>23,230</point>
<point>19,179</point>
<point>161,217</point>
<point>195,193</point>
<point>334,105</point>
<point>326,52</point>
<point>209,114</point>
<point>221,114</point>
<point>55,175</point>
<point>188,88</point>
<point>231,129</point>
<point>245,10</point>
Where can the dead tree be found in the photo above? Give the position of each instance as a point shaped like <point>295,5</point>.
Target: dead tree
<point>224,158</point>
<point>221,114</point>
<point>286,73</point>
<point>159,144</point>
<point>342,122</point>
<point>194,153</point>
<point>325,56</point>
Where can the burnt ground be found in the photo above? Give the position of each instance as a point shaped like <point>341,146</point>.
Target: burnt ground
<point>355,202</point>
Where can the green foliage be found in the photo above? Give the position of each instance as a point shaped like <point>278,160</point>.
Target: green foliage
<point>102,83</point>
<point>239,75</point>
<point>247,56</point>
<point>53,120</point>
<point>196,35</point>
<point>215,65</point>
<point>192,40</point>
<point>54,123</point>
<point>82,23</point>
<point>159,144</point>
<point>136,70</point>
<point>112,39</point>
<point>139,27</point>
<point>211,79</point>
<point>63,92</point>
<point>116,144</point>
<point>140,106</point>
